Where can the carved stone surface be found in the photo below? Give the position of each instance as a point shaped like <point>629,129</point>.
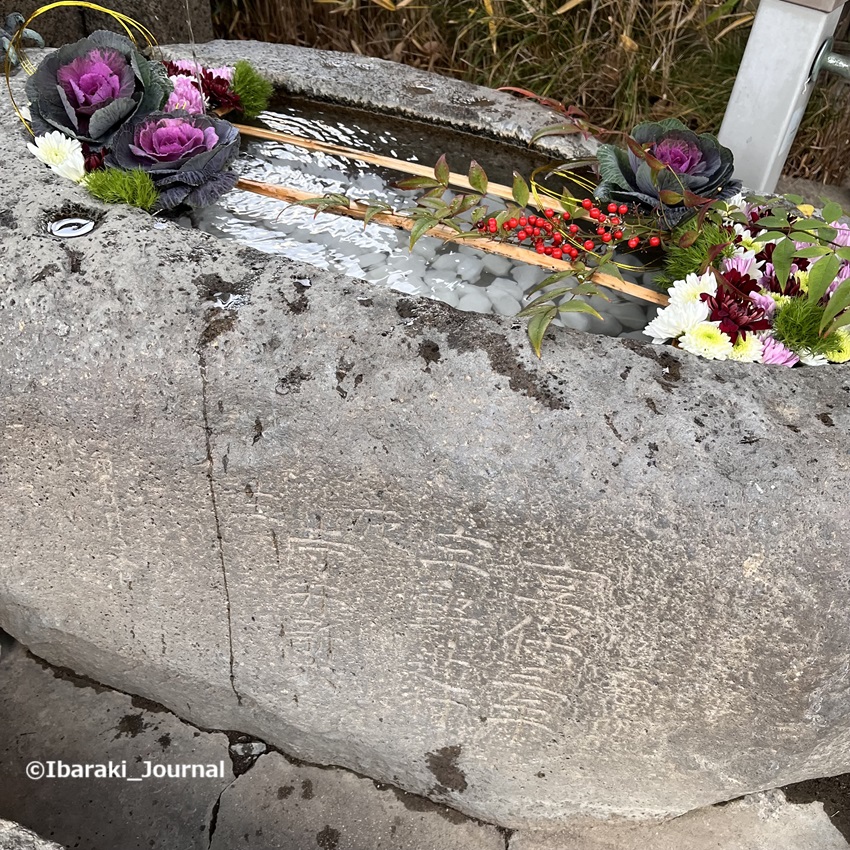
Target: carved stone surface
<point>379,533</point>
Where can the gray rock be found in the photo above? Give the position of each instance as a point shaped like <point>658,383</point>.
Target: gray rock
<point>382,534</point>
<point>15,837</point>
<point>758,822</point>
<point>167,21</point>
<point>284,806</point>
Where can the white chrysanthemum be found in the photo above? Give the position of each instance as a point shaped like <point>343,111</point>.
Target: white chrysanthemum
<point>63,154</point>
<point>748,242</point>
<point>689,290</point>
<point>843,353</point>
<point>736,202</point>
<point>810,359</point>
<point>747,350</point>
<point>707,340</point>
<point>675,320</point>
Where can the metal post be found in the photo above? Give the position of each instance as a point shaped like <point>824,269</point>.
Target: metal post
<point>774,84</point>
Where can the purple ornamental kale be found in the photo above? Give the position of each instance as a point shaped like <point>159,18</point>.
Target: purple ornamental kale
<point>187,156</point>
<point>87,90</point>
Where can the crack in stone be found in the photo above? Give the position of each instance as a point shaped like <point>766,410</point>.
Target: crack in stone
<point>210,478</point>
<point>213,824</point>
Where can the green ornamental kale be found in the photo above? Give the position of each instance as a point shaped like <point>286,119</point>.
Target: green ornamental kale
<point>665,170</point>
<point>89,89</point>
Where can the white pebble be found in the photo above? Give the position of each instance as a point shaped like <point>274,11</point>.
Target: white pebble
<point>504,304</point>
<point>474,302</point>
<point>607,327</point>
<point>443,276</point>
<point>576,321</point>
<point>631,316</point>
<point>496,265</point>
<point>469,268</point>
<point>504,286</point>
<point>446,261</point>
<point>444,294</point>
<point>528,276</point>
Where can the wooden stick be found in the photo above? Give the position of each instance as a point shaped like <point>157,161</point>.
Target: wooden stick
<point>441,231</point>
<point>414,168</point>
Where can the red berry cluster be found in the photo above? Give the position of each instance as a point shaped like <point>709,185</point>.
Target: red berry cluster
<point>555,235</point>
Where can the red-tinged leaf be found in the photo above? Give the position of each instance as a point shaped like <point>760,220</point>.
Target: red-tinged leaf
<point>655,164</point>
<point>441,171</point>
<point>538,326</point>
<point>556,130</point>
<point>688,239</point>
<point>520,190</point>
<point>477,178</point>
<point>636,148</point>
<point>549,102</point>
<point>692,200</point>
<point>670,198</point>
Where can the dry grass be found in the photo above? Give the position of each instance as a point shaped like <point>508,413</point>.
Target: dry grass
<point>622,61</point>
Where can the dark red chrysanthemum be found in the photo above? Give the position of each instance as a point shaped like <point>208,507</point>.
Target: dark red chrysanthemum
<point>733,308</point>
<point>218,92</point>
<point>93,159</point>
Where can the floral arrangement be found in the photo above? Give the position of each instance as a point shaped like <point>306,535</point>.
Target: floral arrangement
<point>136,130</point>
<point>762,281</point>
<point>758,280</point>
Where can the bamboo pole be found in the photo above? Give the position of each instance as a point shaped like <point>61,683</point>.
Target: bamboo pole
<point>414,168</point>
<point>441,231</point>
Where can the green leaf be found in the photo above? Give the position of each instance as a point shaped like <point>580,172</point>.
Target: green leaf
<point>520,190</point>
<point>794,199</point>
<point>538,326</point>
<point>477,178</point>
<point>422,225</point>
<point>468,202</point>
<point>548,281</point>
<point>767,235</point>
<point>832,212</point>
<point>374,209</point>
<point>783,256</point>
<point>821,275</point>
<point>441,171</point>
<point>578,307</point>
<point>839,301</point>
<point>774,220</point>
<point>607,267</point>
<point>546,298</point>
<point>432,203</point>
<point>670,198</point>
<point>478,213</point>
<point>844,253</point>
<point>840,322</point>
<point>417,183</point>
<point>812,251</point>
